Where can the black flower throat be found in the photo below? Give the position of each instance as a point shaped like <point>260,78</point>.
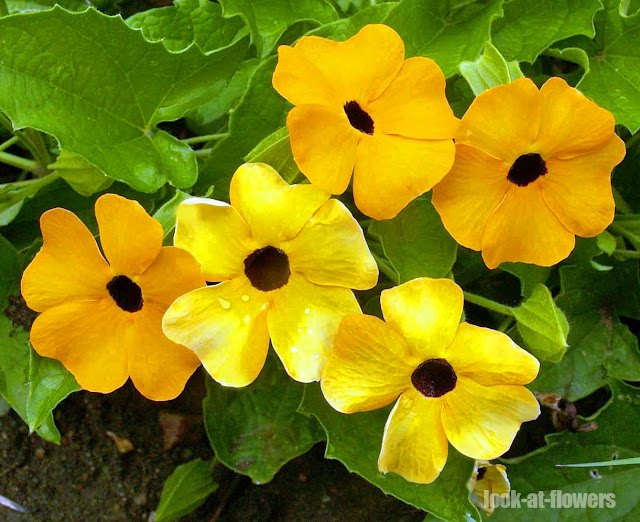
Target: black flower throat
<point>125,293</point>
<point>358,118</point>
<point>434,378</point>
<point>267,268</point>
<point>526,169</point>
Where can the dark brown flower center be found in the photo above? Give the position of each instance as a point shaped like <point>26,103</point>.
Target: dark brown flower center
<point>434,378</point>
<point>481,473</point>
<point>125,293</point>
<point>358,118</point>
<point>267,268</point>
<point>526,169</point>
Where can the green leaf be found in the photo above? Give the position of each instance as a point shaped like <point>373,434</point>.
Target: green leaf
<point>9,270</point>
<point>615,438</point>
<point>345,28</point>
<point>542,325</point>
<point>415,242</point>
<point>256,430</point>
<point>529,275</point>
<point>613,80</point>
<point>275,150</point>
<point>13,196</point>
<point>186,489</point>
<point>112,86</point>
<point>490,70</point>
<point>187,22</point>
<point>83,177</point>
<point>621,462</point>
<point>607,242</point>
<point>355,440</point>
<point>571,54</point>
<point>166,214</point>
<point>269,19</point>
<point>447,33</point>
<point>22,6</point>
<point>528,28</point>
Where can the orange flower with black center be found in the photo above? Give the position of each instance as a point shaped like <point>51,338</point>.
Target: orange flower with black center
<point>361,108</point>
<point>103,320</point>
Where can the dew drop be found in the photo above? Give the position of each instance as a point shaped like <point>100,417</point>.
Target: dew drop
<point>307,311</point>
<point>316,356</point>
<point>309,331</point>
<point>247,318</point>
<point>245,298</point>
<point>224,303</point>
<point>294,349</point>
<point>264,306</point>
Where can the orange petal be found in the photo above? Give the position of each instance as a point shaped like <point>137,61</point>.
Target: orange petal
<point>467,196</point>
<point>131,239</point>
<point>69,265</point>
<point>524,229</point>
<point>370,365</point>
<point>414,105</point>
<point>414,444</point>
<point>391,171</point>
<point>324,145</point>
<point>503,121</point>
<point>90,338</point>
<point>578,190</point>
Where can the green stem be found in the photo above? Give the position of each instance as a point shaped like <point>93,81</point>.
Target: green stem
<point>8,143</point>
<point>21,163</point>
<point>204,139</point>
<point>202,152</point>
<point>506,324</point>
<point>632,141</point>
<point>627,253</point>
<point>634,239</point>
<point>621,204</point>
<point>488,304</point>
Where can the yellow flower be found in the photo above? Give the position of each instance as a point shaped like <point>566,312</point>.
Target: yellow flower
<point>287,257</point>
<point>102,320</point>
<point>532,171</point>
<point>456,381</point>
<point>361,107</point>
<point>487,480</point>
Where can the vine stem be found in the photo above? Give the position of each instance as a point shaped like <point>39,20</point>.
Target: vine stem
<point>627,253</point>
<point>21,163</point>
<point>204,139</point>
<point>488,304</point>
<point>8,143</point>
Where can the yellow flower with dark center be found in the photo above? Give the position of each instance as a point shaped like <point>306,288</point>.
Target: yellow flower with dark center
<point>102,320</point>
<point>287,258</point>
<point>487,481</point>
<point>456,381</point>
<point>361,108</point>
<point>532,171</point>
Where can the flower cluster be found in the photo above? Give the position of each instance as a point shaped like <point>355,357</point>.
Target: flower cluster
<point>523,173</point>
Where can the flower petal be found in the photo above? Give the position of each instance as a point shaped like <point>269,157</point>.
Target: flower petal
<point>489,357</point>
<point>578,190</point>
<point>318,70</point>
<point>69,265</point>
<point>571,124</point>
<point>158,367</point>
<point>172,274</point>
<point>90,338</point>
<point>414,444</point>
<point>370,365</point>
<point>131,239</point>
<point>303,322</point>
<point>503,121</point>
<point>331,250</point>
<point>523,229</point>
<point>467,196</point>
<point>482,421</point>
<point>324,145</point>
<point>414,105</point>
<point>216,235</point>
<point>391,171</point>
<point>225,325</point>
<point>426,312</point>
<point>274,210</point>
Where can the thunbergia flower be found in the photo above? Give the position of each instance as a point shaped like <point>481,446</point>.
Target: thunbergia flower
<point>532,171</point>
<point>103,320</point>
<point>456,381</point>
<point>361,108</point>
<point>487,481</point>
<point>287,258</point>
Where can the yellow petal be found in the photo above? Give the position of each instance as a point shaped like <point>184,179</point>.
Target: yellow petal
<point>216,235</point>
<point>370,365</point>
<point>68,266</point>
<point>158,367</point>
<point>426,312</point>
<point>414,105</point>
<point>331,250</point>
<point>524,229</point>
<point>225,325</point>
<point>303,322</point>
<point>131,239</point>
<point>482,421</point>
<point>571,124</point>
<point>467,196</point>
<point>414,444</point>
<point>318,70</point>
<point>324,145</point>
<point>172,274</point>
<point>490,357</point>
<point>90,338</point>
<point>503,121</point>
<point>578,190</point>
<point>391,171</point>
<point>274,210</point>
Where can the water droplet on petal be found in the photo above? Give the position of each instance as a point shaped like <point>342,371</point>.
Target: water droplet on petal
<point>247,318</point>
<point>316,356</point>
<point>224,303</point>
<point>245,298</point>
<point>307,311</point>
<point>294,349</point>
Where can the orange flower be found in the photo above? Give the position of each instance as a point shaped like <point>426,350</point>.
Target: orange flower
<point>532,171</point>
<point>362,108</point>
<point>102,320</point>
